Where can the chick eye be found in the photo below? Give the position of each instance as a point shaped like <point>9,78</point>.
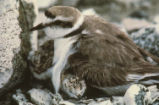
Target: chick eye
<point>49,15</point>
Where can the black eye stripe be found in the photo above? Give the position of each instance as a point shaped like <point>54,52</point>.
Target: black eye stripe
<point>56,23</point>
<point>49,15</point>
<point>63,24</point>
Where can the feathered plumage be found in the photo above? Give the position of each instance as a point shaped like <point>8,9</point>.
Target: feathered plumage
<point>104,56</point>
<point>110,57</point>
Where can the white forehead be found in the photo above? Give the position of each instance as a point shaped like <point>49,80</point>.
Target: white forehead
<point>62,18</point>
<point>45,19</point>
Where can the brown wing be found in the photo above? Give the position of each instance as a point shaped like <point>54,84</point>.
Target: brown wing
<point>106,59</point>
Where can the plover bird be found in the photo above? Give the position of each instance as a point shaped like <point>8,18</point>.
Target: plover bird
<point>94,50</point>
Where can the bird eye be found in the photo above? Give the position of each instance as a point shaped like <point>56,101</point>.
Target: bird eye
<point>49,15</point>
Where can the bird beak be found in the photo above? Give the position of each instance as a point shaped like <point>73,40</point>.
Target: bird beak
<point>37,27</point>
<point>43,25</point>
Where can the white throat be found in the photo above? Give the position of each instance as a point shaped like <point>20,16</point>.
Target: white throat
<point>57,31</point>
<point>62,49</point>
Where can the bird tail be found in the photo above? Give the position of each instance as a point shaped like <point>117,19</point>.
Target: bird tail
<point>146,54</point>
<point>147,75</point>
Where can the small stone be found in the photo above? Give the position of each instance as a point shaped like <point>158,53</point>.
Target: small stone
<point>57,99</point>
<point>20,98</point>
<point>132,24</point>
<point>139,14</point>
<point>44,97</point>
<point>154,94</point>
<point>66,103</point>
<point>100,101</point>
<point>45,3</point>
<point>116,100</point>
<point>9,40</point>
<point>156,101</point>
<point>147,38</point>
<point>68,2</point>
<point>41,97</point>
<point>137,95</point>
<point>106,102</point>
<point>156,19</point>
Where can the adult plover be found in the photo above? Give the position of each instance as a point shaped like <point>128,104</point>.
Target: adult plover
<point>94,50</point>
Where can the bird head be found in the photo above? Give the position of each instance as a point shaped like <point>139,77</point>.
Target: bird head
<point>60,21</point>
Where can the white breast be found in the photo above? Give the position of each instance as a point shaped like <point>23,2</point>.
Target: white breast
<point>56,31</point>
<point>62,50</point>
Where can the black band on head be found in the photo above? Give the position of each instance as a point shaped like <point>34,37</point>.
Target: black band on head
<point>49,15</point>
<point>77,31</point>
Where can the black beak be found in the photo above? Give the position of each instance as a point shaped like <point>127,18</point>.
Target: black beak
<point>38,27</point>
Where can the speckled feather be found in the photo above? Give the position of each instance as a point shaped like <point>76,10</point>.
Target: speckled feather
<point>107,59</point>
<point>42,59</point>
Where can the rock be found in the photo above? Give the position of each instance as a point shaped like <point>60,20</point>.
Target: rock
<point>94,2</point>
<point>68,2</point>
<point>46,3</point>
<point>132,24</point>
<point>66,103</point>
<point>44,97</point>
<point>139,14</point>
<point>105,102</point>
<point>9,41</point>
<point>111,10</point>
<point>117,100</point>
<point>156,101</point>
<point>16,18</point>
<point>137,95</point>
<point>156,19</point>
<point>10,45</point>
<point>154,94</point>
<point>147,38</point>
<point>20,98</point>
<point>96,101</point>
<point>6,5</point>
<point>137,4</point>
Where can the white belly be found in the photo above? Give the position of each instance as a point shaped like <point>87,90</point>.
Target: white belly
<point>62,50</point>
